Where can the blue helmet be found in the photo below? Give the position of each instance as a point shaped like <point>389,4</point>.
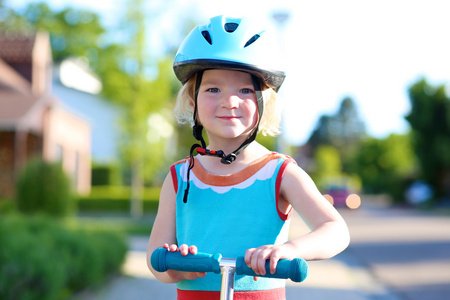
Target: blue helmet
<point>230,43</point>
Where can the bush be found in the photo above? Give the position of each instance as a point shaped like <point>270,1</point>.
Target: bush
<point>116,199</point>
<point>105,175</point>
<point>44,259</point>
<point>44,188</point>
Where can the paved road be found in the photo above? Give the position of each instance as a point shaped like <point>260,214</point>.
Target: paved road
<point>405,250</point>
<point>395,254</point>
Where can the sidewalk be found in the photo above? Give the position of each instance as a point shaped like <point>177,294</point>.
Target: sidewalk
<point>340,278</point>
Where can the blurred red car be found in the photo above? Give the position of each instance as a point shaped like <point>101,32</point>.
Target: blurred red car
<point>341,197</point>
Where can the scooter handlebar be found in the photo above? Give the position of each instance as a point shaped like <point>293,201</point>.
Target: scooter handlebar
<point>163,260</point>
<point>297,269</point>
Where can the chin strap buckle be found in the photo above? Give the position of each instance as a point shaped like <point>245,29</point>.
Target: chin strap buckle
<point>226,159</point>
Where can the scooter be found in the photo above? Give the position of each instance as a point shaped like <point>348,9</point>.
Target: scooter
<point>163,260</point>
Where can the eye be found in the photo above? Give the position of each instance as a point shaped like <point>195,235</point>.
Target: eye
<point>246,91</point>
<point>213,90</point>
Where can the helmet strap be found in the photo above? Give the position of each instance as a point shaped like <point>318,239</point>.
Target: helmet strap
<point>197,132</point>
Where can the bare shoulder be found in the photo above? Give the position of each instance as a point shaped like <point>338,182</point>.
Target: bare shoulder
<point>168,192</point>
<point>294,174</point>
<point>301,192</point>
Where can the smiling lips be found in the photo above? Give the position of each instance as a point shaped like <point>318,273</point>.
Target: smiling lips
<point>227,117</point>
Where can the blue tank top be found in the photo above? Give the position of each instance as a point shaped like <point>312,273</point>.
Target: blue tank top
<point>230,214</point>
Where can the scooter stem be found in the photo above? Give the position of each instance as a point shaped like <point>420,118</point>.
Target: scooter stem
<point>228,270</point>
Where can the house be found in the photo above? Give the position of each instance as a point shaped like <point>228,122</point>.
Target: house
<point>79,90</point>
<point>33,123</point>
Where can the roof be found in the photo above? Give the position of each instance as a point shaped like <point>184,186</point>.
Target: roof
<point>20,105</point>
<point>16,48</point>
<point>11,80</point>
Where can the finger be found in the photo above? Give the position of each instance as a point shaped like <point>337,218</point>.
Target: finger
<point>194,275</point>
<point>248,256</point>
<point>193,249</point>
<point>273,263</point>
<point>173,248</point>
<point>261,256</point>
<point>255,278</point>
<point>256,262</point>
<point>184,249</point>
<point>262,264</point>
<point>166,246</point>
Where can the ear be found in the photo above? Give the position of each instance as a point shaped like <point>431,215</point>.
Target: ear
<point>191,105</point>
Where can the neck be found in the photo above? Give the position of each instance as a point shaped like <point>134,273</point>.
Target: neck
<point>253,152</point>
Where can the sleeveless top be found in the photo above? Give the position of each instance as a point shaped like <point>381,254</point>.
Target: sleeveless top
<point>229,214</point>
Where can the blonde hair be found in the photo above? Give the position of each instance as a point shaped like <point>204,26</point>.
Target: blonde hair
<point>270,120</point>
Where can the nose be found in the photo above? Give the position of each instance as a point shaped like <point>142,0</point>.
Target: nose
<point>230,101</point>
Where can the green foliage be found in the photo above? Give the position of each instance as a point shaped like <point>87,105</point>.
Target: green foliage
<point>105,174</point>
<point>341,129</point>
<point>116,199</point>
<point>44,188</point>
<point>327,161</point>
<point>73,32</point>
<point>344,130</point>
<point>130,78</point>
<point>267,141</point>
<point>384,165</point>
<point>328,170</point>
<point>43,259</point>
<point>430,122</point>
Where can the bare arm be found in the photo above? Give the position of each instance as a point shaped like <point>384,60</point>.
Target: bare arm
<point>164,235</point>
<point>329,233</point>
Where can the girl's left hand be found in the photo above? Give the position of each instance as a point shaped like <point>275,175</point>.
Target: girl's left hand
<point>256,258</point>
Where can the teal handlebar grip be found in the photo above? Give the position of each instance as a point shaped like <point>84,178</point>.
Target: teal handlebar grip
<point>297,269</point>
<point>163,260</point>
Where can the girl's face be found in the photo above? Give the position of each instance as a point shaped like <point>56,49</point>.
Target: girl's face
<point>226,104</point>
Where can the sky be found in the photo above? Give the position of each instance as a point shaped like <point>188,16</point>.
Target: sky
<point>371,51</point>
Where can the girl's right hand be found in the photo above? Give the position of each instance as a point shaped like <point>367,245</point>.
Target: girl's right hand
<point>184,250</point>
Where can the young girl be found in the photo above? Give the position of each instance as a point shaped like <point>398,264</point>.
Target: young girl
<point>235,197</point>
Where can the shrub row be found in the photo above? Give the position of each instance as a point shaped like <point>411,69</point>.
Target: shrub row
<point>44,259</point>
<point>44,188</point>
<point>116,199</point>
<point>105,174</point>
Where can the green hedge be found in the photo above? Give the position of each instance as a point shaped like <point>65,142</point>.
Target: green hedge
<point>116,199</point>
<point>44,187</point>
<point>44,259</point>
<point>105,174</point>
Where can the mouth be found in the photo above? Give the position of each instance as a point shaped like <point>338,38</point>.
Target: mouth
<point>228,117</point>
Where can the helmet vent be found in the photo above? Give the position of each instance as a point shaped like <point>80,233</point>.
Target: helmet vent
<point>230,27</point>
<point>252,40</point>
<point>207,36</point>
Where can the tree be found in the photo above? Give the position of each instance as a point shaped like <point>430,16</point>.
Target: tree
<point>385,165</point>
<point>328,166</point>
<point>343,130</point>
<point>73,32</point>
<point>144,101</point>
<point>123,69</point>
<point>430,123</point>
<point>344,127</point>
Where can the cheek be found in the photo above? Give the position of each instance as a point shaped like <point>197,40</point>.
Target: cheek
<point>203,111</point>
<point>252,109</point>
